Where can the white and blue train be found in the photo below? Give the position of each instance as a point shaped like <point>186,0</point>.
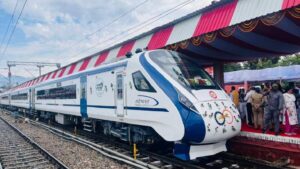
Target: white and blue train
<point>149,96</point>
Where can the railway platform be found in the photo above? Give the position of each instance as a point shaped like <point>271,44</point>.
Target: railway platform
<point>277,149</point>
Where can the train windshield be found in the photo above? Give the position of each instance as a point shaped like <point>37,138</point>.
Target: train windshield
<point>182,69</point>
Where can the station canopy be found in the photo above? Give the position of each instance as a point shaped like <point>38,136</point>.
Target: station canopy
<point>228,30</point>
<point>289,73</point>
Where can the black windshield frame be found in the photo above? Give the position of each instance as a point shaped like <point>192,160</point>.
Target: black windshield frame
<point>188,71</point>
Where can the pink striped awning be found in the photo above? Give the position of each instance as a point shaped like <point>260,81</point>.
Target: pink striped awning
<point>48,76</point>
<point>125,48</point>
<point>72,68</point>
<point>215,19</point>
<point>62,72</point>
<point>85,64</point>
<point>290,3</point>
<point>54,74</point>
<point>160,38</point>
<point>101,58</point>
<point>203,23</point>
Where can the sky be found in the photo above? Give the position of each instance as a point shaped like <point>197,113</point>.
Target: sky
<point>63,31</point>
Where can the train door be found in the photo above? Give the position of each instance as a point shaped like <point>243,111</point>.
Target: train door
<point>29,94</point>
<point>119,94</point>
<point>9,100</point>
<point>32,99</point>
<point>83,96</point>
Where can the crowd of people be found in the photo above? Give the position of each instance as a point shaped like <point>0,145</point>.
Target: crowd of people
<point>269,107</point>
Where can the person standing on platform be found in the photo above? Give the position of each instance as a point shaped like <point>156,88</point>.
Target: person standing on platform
<point>273,107</point>
<point>296,92</point>
<point>257,110</point>
<point>241,94</point>
<point>234,95</point>
<point>265,94</point>
<point>249,106</point>
<point>290,112</point>
<point>242,105</point>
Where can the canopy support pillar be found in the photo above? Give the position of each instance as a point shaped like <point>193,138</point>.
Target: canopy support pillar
<point>219,73</point>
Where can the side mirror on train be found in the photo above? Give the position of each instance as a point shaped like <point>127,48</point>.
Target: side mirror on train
<point>138,50</point>
<point>128,54</point>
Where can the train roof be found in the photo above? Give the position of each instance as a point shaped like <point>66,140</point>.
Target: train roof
<point>117,61</point>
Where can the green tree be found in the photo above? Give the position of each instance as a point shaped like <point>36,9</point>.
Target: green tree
<point>290,60</point>
<point>263,63</point>
<point>232,67</point>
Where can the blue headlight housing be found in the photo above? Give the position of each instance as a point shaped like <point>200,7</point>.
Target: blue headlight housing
<point>186,102</point>
<point>193,123</point>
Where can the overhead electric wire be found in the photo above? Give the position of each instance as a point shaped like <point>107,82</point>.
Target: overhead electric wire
<point>161,15</point>
<point>116,19</point>
<point>29,72</point>
<point>140,25</point>
<point>4,77</point>
<point>13,31</point>
<point>9,23</point>
<point>148,23</point>
<point>108,24</point>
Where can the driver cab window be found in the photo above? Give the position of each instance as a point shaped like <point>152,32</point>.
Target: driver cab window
<point>141,83</point>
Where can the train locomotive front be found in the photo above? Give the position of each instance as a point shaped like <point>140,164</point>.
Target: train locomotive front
<point>208,115</point>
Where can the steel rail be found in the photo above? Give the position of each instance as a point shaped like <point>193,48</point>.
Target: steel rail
<point>101,149</point>
<point>44,152</point>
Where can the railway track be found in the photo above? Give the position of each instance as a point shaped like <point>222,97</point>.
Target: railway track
<point>17,151</point>
<point>155,160</point>
<point>165,159</point>
<point>148,159</point>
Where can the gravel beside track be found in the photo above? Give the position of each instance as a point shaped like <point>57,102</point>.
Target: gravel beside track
<point>71,154</point>
<point>16,152</point>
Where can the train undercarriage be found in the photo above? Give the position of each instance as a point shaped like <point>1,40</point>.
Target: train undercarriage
<point>125,132</point>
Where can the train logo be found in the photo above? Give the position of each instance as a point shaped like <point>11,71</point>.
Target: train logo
<point>213,95</point>
<point>99,87</point>
<point>223,117</point>
<point>143,100</point>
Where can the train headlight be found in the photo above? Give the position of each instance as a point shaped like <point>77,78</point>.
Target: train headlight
<point>185,101</point>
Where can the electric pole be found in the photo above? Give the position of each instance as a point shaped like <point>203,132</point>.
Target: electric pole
<point>40,65</point>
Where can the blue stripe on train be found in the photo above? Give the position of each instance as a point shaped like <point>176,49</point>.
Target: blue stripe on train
<point>102,107</point>
<point>147,109</point>
<point>126,107</point>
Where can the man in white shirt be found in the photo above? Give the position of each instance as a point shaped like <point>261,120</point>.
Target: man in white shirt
<point>249,106</point>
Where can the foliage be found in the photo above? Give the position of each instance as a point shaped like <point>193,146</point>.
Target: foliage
<point>232,67</point>
<point>290,60</point>
<point>262,63</point>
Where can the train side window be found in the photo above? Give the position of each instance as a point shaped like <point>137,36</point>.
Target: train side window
<point>141,83</point>
<point>64,92</point>
<point>120,87</point>
<point>23,96</point>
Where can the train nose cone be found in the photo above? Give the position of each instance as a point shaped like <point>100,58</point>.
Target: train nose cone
<point>215,119</point>
<point>222,120</point>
